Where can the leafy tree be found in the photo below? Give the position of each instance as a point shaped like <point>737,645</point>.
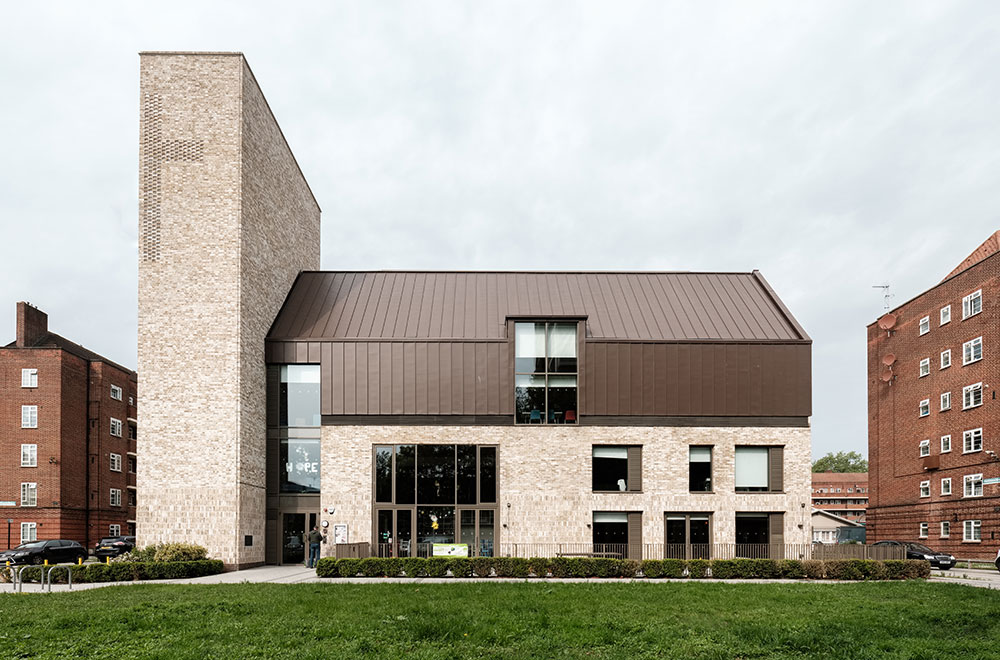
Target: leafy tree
<point>849,461</point>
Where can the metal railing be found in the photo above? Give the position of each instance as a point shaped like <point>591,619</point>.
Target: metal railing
<point>45,576</point>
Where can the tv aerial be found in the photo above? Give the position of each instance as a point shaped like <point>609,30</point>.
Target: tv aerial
<point>886,296</point>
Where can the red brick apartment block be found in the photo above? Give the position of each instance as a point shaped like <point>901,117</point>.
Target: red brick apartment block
<point>844,494</point>
<point>67,438</point>
<point>934,418</point>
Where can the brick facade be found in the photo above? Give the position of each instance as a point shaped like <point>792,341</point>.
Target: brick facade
<point>844,494</point>
<point>226,223</point>
<point>896,428</point>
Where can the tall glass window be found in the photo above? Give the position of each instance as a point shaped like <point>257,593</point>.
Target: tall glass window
<point>299,395</point>
<point>545,373</point>
<point>299,413</point>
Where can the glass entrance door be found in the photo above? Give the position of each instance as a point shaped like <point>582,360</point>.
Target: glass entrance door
<point>293,530</point>
<point>476,531</point>
<point>394,532</point>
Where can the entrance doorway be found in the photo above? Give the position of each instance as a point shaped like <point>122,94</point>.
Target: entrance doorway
<point>688,536</point>
<point>293,536</point>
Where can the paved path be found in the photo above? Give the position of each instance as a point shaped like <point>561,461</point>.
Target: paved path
<point>973,577</point>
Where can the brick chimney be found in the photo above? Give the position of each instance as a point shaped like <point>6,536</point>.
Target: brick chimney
<point>32,324</point>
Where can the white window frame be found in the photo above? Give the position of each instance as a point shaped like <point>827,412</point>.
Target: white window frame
<point>116,393</point>
<point>29,378</point>
<point>924,529</point>
<point>925,325</point>
<point>925,408</point>
<point>967,304</point>
<point>972,531</point>
<point>114,530</point>
<point>969,485</point>
<point>29,493</point>
<point>945,529</point>
<point>925,448</point>
<point>116,497</point>
<point>969,351</point>
<point>946,358</point>
<point>116,427</point>
<point>945,444</point>
<point>972,441</point>
<point>945,401</point>
<point>925,367</point>
<point>29,532</point>
<point>29,417</point>
<point>969,396</point>
<point>29,455</point>
<point>116,462</point>
<point>945,315</point>
<point>946,486</point>
<point>925,488</point>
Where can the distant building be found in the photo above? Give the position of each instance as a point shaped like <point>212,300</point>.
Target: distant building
<point>67,438</point>
<point>831,528</point>
<point>844,494</point>
<point>933,370</point>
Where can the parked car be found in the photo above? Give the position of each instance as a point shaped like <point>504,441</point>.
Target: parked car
<point>112,546</point>
<point>997,562</point>
<point>921,551</point>
<point>36,552</point>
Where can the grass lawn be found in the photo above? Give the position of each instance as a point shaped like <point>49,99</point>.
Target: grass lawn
<point>483,620</point>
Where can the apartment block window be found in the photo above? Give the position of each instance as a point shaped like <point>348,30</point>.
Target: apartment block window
<point>972,396</point>
<point>923,530</point>
<point>617,468</point>
<point>945,529</point>
<point>925,447</point>
<point>29,455</point>
<point>759,469</point>
<point>131,464</point>
<point>972,531</point>
<point>925,407</point>
<point>946,359</point>
<point>972,304</point>
<point>29,377</point>
<point>116,497</point>
<point>29,532</point>
<point>116,427</point>
<point>116,393</point>
<point>925,367</point>
<point>114,530</point>
<point>132,435</point>
<point>700,469</point>
<point>946,486</point>
<point>945,401</point>
<point>945,314</point>
<point>972,351</point>
<point>545,369</point>
<point>972,441</point>
<point>945,444</point>
<point>29,494</point>
<point>131,497</point>
<point>116,462</point>
<point>29,417</point>
<point>925,325</point>
<point>973,485</point>
<point>925,489</point>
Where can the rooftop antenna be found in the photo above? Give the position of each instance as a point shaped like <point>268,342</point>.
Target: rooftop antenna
<point>886,296</point>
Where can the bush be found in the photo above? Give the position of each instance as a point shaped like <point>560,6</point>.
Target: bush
<point>843,569</point>
<point>572,567</point>
<point>724,569</point>
<point>814,569</point>
<point>483,566</point>
<point>766,569</point>
<point>414,566</point>
<point>791,569</point>
<point>605,568</point>
<point>652,568</point>
<point>326,567</point>
<point>348,567</point>
<point>673,568</point>
<point>917,569</point>
<point>437,566</point>
<point>870,569</point>
<point>380,566</point>
<point>515,567</point>
<point>629,568</point>
<point>539,566</point>
<point>697,568</point>
<point>460,567</point>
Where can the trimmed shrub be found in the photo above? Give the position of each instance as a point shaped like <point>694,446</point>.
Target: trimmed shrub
<point>180,552</point>
<point>606,568</point>
<point>917,569</point>
<point>870,569</point>
<point>843,569</point>
<point>483,566</point>
<point>349,567</point>
<point>326,567</point>
<point>539,566</point>
<point>414,566</point>
<point>652,568</point>
<point>673,568</point>
<point>381,567</point>
<point>630,568</point>
<point>698,568</point>
<point>766,569</point>
<point>460,566</point>
<point>437,566</point>
<point>515,567</point>
<point>724,569</point>
<point>895,569</point>
<point>814,569</point>
<point>791,569</point>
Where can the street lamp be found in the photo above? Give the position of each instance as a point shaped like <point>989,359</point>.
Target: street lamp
<point>9,521</point>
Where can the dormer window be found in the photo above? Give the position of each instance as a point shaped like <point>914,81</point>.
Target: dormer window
<point>545,371</point>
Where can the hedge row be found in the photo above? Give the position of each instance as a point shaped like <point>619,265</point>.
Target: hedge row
<point>124,571</point>
<point>585,567</point>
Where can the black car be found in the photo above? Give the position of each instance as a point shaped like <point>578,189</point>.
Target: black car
<point>921,551</point>
<point>36,552</point>
<point>112,546</point>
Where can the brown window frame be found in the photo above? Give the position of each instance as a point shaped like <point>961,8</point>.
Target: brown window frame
<point>775,470</point>
<point>546,321</point>
<point>711,469</point>
<point>688,551</point>
<point>633,468</point>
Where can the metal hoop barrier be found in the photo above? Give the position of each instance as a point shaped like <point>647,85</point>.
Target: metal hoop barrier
<point>45,576</point>
<point>69,576</point>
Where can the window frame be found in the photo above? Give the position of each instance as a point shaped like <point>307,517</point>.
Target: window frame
<point>546,375</point>
<point>945,448</point>
<point>972,344</point>
<point>946,358</point>
<point>973,437</point>
<point>944,315</point>
<point>925,325</point>
<point>925,367</point>
<point>972,479</point>
<point>29,378</point>
<point>29,416</point>
<point>971,389</point>
<point>632,453</point>
<point>946,481</point>
<point>114,389</point>
<point>32,452</point>
<point>924,530</point>
<point>116,427</point>
<point>32,528</point>
<point>115,497</point>
<point>945,401</point>
<point>976,528</point>
<point>925,448</point>
<point>925,488</point>
<point>29,493</point>
<point>945,532</point>
<point>967,304</point>
<point>925,408</point>
<point>115,461</point>
<point>114,530</point>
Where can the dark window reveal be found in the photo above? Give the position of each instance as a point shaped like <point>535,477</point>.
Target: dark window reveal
<point>617,468</point>
<point>700,469</point>
<point>406,466</point>
<point>383,474</point>
<point>545,368</point>
<point>436,474</point>
<point>466,468</point>
<point>487,474</point>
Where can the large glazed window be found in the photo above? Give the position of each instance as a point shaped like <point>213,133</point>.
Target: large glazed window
<point>617,468</point>
<point>699,469</point>
<point>759,469</point>
<point>545,373</point>
<point>299,395</point>
<point>299,465</point>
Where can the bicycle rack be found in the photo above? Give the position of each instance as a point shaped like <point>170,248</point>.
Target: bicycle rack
<point>69,576</point>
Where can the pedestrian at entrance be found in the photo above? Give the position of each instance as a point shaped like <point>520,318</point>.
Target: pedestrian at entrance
<point>315,537</point>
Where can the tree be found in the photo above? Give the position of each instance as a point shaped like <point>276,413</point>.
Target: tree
<point>850,461</point>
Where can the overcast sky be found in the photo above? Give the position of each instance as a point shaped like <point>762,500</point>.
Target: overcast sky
<point>832,146</point>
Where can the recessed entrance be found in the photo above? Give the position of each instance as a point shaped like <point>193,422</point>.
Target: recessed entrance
<point>293,536</point>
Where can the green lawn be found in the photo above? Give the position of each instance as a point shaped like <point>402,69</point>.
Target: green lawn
<point>489,620</point>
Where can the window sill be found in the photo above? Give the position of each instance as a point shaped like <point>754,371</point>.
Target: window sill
<point>760,492</point>
<point>971,451</point>
<point>964,541</point>
<point>615,492</point>
<point>29,466</point>
<point>701,492</point>
<point>964,408</point>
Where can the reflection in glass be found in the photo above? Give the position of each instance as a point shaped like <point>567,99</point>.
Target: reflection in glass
<point>435,524</point>
<point>486,533</point>
<point>436,474</point>
<point>529,398</point>
<point>466,474</point>
<point>562,398</point>
<point>529,348</point>
<point>299,465</point>
<point>405,474</point>
<point>545,367</point>
<point>468,527</point>
<point>383,474</point>
<point>299,395</point>
<point>487,474</point>
<point>562,347</point>
<point>404,531</point>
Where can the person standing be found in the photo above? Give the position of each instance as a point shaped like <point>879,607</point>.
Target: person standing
<point>315,537</point>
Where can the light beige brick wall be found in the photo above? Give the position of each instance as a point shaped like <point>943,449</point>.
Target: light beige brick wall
<point>226,223</point>
<point>545,475</point>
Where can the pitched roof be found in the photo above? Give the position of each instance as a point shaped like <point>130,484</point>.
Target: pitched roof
<point>52,340</point>
<point>839,477</point>
<point>822,512</point>
<point>988,248</point>
<point>475,305</point>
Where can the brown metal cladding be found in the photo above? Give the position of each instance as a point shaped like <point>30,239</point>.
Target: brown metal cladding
<point>649,344</point>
